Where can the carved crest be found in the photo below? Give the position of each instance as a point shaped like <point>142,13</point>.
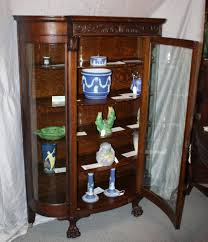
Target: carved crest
<point>112,28</point>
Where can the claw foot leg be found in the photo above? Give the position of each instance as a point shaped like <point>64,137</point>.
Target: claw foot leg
<point>136,209</point>
<point>73,231</point>
<point>31,216</point>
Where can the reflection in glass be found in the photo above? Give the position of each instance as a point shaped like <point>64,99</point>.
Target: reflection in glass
<point>169,83</point>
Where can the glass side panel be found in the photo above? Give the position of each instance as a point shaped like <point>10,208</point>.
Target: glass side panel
<point>168,93</point>
<point>46,72</point>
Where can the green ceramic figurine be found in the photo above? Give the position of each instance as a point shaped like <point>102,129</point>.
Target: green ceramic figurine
<point>105,126</point>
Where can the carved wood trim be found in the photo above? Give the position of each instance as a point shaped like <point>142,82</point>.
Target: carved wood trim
<point>88,28</point>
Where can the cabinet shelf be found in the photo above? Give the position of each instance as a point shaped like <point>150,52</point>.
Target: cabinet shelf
<point>113,64</point>
<point>46,102</point>
<point>127,183</point>
<point>50,67</point>
<point>81,100</point>
<point>90,159</point>
<point>93,134</point>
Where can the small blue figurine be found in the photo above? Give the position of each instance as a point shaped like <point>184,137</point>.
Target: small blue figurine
<point>89,196</point>
<point>136,85</point>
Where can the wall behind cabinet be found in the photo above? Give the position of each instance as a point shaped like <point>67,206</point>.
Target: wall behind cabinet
<point>185,18</point>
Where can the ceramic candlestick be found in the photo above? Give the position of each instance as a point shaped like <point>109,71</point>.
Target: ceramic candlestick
<point>89,196</point>
<point>112,191</point>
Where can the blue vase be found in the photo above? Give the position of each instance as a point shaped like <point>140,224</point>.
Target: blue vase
<point>96,83</point>
<point>136,85</point>
<point>89,196</point>
<point>48,152</point>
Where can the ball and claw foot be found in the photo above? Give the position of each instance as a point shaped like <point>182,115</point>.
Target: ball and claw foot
<point>73,231</point>
<point>137,211</point>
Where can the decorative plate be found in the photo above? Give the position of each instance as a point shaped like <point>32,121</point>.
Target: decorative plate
<point>51,132</point>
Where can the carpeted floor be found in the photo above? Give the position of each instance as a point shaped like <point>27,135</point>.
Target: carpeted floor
<point>119,225</point>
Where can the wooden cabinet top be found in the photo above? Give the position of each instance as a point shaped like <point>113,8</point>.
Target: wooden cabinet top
<point>90,25</point>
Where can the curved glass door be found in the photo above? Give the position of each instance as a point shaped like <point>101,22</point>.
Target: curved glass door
<point>169,110</point>
<point>46,72</point>
<point>169,84</point>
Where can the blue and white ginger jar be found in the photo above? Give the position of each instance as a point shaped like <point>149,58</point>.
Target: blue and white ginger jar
<point>98,60</point>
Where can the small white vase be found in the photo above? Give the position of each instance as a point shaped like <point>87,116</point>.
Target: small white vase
<point>106,154</point>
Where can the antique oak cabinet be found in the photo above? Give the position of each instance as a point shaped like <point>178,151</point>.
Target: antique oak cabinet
<point>53,51</point>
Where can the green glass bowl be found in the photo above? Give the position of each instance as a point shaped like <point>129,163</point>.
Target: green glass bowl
<point>51,133</point>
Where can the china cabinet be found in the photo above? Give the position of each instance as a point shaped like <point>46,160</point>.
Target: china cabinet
<point>148,139</point>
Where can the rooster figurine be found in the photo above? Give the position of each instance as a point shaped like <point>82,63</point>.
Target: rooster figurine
<point>105,126</point>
